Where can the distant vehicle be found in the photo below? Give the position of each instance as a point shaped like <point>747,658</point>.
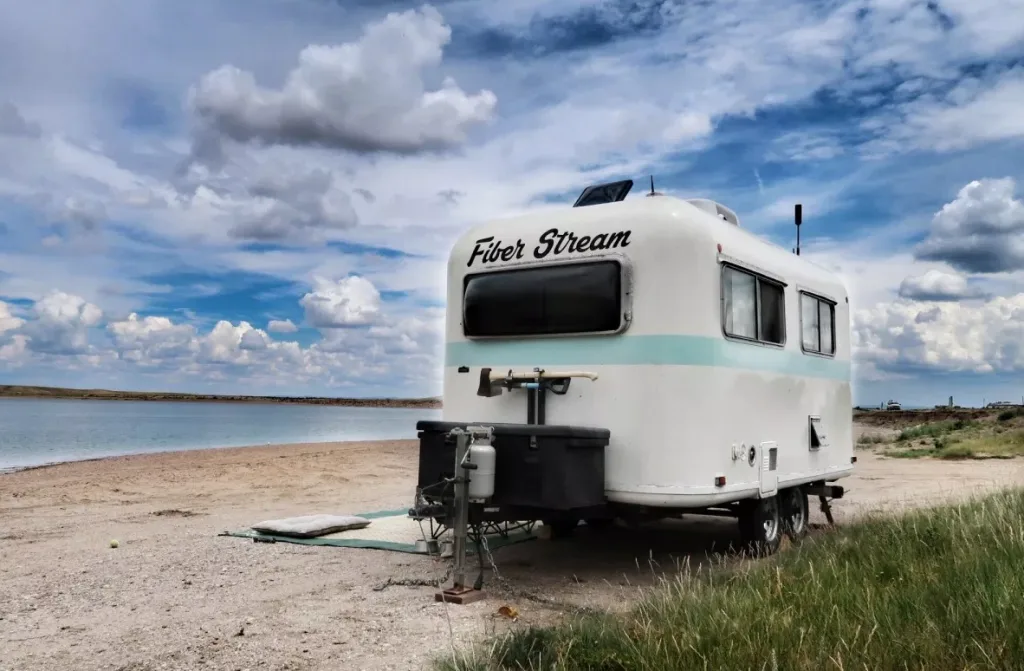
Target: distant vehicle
<point>639,360</point>
<point>893,405</point>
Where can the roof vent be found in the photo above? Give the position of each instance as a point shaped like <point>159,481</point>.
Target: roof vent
<point>716,209</point>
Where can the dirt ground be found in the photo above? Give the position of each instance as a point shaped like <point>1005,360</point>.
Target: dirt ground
<point>174,595</point>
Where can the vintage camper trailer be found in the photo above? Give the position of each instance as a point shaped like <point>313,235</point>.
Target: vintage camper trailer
<point>634,359</point>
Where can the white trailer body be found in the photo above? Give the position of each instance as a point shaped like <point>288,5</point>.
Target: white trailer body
<point>722,360</point>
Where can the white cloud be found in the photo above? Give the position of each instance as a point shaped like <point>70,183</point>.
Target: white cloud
<point>60,324</point>
<point>254,339</point>
<point>806,146</point>
<point>961,337</point>
<point>974,111</point>
<point>936,285</point>
<point>8,322</point>
<point>152,339</point>
<point>15,352</point>
<point>364,96</point>
<point>281,326</point>
<point>351,301</point>
<point>981,231</point>
<point>399,353</point>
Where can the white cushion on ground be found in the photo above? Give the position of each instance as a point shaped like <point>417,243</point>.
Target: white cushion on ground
<point>311,526</point>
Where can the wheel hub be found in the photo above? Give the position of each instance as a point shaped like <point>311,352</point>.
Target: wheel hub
<point>771,521</point>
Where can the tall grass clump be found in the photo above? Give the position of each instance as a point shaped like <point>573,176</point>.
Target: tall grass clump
<point>1012,413</point>
<point>936,589</point>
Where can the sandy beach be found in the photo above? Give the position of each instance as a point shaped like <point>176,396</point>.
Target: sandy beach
<point>175,595</point>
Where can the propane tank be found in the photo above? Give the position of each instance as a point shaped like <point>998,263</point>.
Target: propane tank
<point>481,479</point>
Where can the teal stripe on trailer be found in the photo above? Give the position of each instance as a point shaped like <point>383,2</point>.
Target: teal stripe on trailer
<point>646,350</point>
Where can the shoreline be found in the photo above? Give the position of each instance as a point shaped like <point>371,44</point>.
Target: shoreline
<point>199,451</point>
<point>71,394</point>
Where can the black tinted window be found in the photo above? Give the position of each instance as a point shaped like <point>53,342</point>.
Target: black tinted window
<point>576,298</point>
<point>772,313</point>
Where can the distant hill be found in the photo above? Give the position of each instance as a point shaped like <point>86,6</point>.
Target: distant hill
<point>20,391</point>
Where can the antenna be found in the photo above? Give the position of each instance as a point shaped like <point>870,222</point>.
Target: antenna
<point>653,192</point>
<point>798,214</point>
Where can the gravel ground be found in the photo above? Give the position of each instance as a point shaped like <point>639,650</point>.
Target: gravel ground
<point>174,595</point>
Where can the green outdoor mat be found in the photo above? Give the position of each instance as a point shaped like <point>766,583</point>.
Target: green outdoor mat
<point>390,530</point>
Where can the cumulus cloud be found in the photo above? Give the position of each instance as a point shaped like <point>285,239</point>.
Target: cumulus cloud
<point>152,339</point>
<point>281,326</point>
<point>961,337</point>
<point>398,351</point>
<point>364,96</point>
<point>60,324</point>
<point>16,351</point>
<point>981,231</point>
<point>351,301</point>
<point>254,339</point>
<point>12,122</point>
<point>936,285</point>
<point>8,322</point>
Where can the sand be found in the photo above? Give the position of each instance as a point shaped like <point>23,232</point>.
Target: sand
<point>174,595</point>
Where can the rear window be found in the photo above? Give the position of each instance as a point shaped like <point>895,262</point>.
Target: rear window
<point>549,300</point>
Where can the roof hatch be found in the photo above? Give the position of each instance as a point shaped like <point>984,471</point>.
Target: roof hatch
<point>599,194</point>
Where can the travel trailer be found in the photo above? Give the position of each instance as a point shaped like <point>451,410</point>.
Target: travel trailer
<point>637,359</point>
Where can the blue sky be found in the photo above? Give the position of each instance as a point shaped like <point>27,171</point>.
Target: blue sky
<point>259,197</point>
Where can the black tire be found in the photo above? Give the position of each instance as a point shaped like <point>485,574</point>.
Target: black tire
<point>561,528</point>
<point>795,512</point>
<point>760,526</point>
<point>600,523</point>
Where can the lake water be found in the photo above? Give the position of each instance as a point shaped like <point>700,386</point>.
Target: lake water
<point>42,431</point>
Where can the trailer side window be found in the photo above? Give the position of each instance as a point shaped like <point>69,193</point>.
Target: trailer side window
<point>754,307</point>
<point>817,325</point>
<point>549,300</point>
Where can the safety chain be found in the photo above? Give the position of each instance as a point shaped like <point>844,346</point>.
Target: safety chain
<point>415,582</point>
<point>516,592</point>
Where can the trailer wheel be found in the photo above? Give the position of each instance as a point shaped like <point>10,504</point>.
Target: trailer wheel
<point>761,525</point>
<point>795,512</point>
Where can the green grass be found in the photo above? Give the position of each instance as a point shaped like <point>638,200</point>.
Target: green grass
<point>998,442</point>
<point>935,429</point>
<point>997,436</point>
<point>936,589</point>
